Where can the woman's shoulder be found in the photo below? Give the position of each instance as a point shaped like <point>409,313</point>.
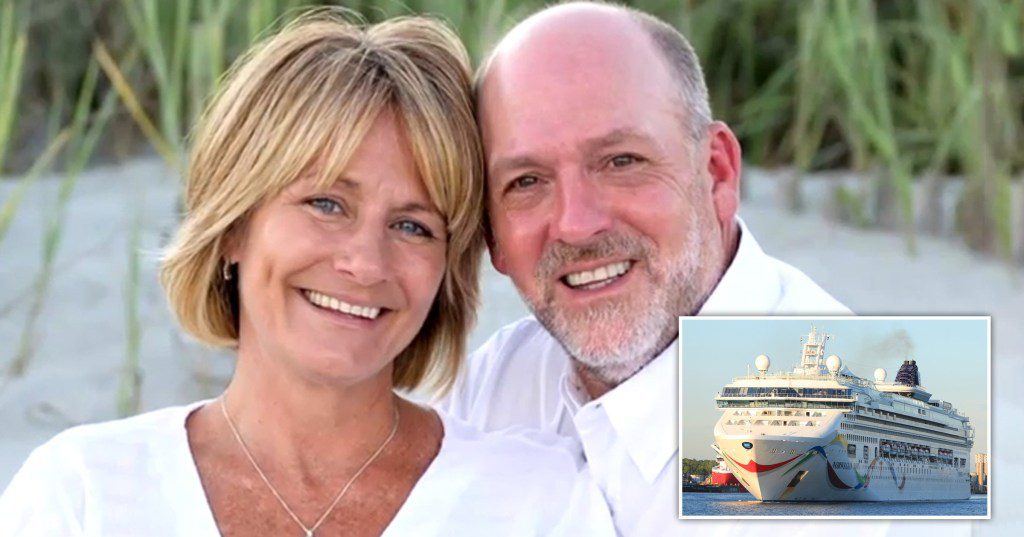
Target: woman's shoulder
<point>115,447</point>
<point>148,429</point>
<point>101,463</point>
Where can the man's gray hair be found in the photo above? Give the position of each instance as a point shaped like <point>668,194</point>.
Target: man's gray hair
<point>679,57</point>
<point>684,65</point>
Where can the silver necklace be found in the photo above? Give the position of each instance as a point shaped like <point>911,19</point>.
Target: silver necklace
<point>310,529</point>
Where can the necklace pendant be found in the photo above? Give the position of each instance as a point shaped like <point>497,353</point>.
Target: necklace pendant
<point>309,533</point>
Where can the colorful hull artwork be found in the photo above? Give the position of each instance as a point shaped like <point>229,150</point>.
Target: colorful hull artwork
<point>823,472</point>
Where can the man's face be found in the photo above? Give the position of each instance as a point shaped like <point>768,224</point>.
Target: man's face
<point>600,204</point>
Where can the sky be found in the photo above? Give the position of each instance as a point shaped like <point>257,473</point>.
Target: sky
<point>951,355</point>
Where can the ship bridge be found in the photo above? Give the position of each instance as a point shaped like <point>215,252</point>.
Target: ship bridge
<point>784,396</point>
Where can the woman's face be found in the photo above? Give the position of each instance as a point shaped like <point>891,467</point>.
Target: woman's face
<point>335,282</point>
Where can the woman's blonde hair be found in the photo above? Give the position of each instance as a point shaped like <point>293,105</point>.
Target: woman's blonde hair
<point>303,100</point>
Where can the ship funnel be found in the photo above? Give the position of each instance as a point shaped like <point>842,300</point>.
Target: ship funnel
<point>908,375</point>
<point>762,362</point>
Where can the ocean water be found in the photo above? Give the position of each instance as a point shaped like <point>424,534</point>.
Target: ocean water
<point>743,504</point>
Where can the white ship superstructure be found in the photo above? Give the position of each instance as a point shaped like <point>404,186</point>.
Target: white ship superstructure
<point>821,433</point>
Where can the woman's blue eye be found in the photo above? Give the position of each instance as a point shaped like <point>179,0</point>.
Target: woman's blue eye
<point>325,205</point>
<point>413,228</point>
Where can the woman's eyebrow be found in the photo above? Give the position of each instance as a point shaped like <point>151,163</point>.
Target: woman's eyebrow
<point>417,207</point>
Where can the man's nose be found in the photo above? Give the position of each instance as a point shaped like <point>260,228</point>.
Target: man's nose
<point>364,256</point>
<point>581,210</point>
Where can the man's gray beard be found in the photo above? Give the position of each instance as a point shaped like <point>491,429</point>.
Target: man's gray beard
<point>615,339</point>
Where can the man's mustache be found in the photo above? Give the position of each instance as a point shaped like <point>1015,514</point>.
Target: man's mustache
<point>559,254</point>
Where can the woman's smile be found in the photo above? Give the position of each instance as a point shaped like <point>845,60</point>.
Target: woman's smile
<point>340,305</point>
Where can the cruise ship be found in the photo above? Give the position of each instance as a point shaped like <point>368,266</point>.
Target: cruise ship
<point>821,433</point>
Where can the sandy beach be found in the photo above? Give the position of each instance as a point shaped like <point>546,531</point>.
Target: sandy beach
<point>80,343</point>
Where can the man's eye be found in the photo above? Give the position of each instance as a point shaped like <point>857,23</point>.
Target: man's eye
<point>413,228</point>
<point>621,161</point>
<point>525,181</point>
<point>326,205</point>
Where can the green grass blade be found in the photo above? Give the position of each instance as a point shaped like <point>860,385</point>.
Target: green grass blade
<point>41,164</point>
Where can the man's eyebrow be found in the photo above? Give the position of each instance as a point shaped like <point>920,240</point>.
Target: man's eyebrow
<point>515,162</point>
<point>614,137</point>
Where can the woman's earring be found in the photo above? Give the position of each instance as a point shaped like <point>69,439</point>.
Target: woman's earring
<point>226,271</point>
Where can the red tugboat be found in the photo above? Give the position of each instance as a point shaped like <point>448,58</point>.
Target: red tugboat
<point>721,475</point>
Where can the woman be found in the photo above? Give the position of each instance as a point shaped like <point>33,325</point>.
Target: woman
<point>332,236</point>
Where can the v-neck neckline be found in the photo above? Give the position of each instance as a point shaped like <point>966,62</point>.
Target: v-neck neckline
<point>197,502</point>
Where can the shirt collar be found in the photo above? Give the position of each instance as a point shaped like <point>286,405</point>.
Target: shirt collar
<point>641,411</point>
<point>746,288</point>
<point>574,395</point>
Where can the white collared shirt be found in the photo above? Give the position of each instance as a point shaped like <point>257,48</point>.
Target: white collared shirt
<point>628,436</point>
<point>137,476</point>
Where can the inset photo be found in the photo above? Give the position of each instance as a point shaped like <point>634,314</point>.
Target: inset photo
<point>834,417</point>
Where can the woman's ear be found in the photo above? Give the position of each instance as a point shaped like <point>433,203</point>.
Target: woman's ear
<point>233,243</point>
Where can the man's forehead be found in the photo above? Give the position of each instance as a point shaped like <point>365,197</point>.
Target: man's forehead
<point>568,75</point>
<point>567,23</point>
<point>569,54</point>
<point>567,36</point>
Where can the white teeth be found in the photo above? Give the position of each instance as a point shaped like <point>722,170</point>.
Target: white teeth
<point>613,270</point>
<point>329,302</point>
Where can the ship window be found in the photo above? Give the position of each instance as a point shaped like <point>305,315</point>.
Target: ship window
<point>851,450</point>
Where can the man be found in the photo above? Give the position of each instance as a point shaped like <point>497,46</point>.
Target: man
<point>612,199</point>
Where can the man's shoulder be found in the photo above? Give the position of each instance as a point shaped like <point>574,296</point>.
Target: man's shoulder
<point>509,447</point>
<point>508,377</point>
<point>801,294</point>
<point>515,333</point>
<point>522,345</point>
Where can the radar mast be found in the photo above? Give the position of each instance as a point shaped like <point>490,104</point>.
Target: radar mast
<point>814,349</point>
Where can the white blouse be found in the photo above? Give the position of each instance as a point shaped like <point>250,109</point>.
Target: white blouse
<point>136,476</point>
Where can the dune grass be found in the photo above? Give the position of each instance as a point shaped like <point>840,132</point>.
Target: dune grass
<point>13,42</point>
<point>885,88</point>
<point>899,92</point>
<point>84,134</point>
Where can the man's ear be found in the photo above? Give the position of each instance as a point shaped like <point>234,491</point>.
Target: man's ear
<point>498,261</point>
<point>724,167</point>
<point>497,257</point>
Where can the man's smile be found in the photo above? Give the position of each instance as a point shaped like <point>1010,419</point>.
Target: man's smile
<point>597,277</point>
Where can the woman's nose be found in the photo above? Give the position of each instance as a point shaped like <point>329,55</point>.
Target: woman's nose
<point>363,256</point>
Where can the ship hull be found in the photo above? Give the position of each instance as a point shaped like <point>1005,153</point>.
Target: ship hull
<point>817,468</point>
